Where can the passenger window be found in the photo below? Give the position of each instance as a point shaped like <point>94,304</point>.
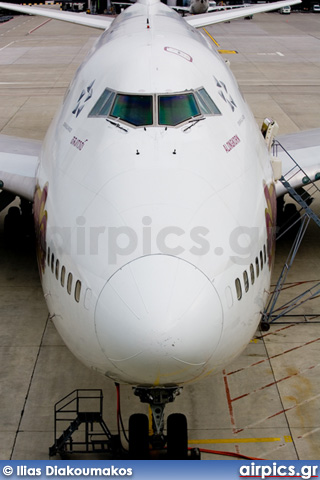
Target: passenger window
<point>134,109</point>
<point>69,283</point>
<point>238,289</point>
<point>257,267</point>
<point>175,109</point>
<point>48,258</point>
<point>246,280</point>
<point>57,269</point>
<point>252,274</point>
<point>52,263</point>
<point>207,105</point>
<point>261,260</point>
<point>77,291</point>
<point>63,276</point>
<point>87,298</point>
<point>264,253</point>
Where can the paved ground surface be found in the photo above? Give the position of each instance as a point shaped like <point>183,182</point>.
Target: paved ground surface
<point>264,405</point>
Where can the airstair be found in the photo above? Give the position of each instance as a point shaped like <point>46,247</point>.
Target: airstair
<point>82,430</point>
<point>303,197</point>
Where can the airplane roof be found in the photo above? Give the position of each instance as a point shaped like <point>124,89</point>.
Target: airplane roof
<point>173,55</point>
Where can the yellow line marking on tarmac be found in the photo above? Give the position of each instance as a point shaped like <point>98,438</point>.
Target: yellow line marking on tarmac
<point>227,51</point>
<point>210,36</point>
<point>217,44</point>
<point>235,440</point>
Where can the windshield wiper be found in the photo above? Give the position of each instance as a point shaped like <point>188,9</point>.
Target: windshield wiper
<point>194,122</point>
<point>117,125</point>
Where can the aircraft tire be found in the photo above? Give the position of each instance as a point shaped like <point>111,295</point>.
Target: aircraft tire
<point>265,326</point>
<point>177,437</point>
<point>138,437</point>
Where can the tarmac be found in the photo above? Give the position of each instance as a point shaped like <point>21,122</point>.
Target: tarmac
<point>264,405</point>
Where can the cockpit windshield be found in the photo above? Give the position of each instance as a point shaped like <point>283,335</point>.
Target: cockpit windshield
<point>134,109</point>
<point>175,109</point>
<point>159,109</point>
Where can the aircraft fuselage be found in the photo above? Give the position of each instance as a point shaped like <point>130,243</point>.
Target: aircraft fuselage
<point>155,206</point>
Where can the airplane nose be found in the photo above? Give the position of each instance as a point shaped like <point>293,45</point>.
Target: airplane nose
<point>158,320</point>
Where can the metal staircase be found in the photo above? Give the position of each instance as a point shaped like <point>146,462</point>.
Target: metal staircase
<point>84,431</point>
<point>299,199</point>
<point>303,197</point>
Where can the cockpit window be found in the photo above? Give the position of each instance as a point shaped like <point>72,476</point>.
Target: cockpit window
<point>102,107</point>
<point>134,109</point>
<point>169,109</point>
<point>207,105</point>
<point>175,109</point>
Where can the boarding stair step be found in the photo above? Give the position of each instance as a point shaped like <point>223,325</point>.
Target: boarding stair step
<point>298,198</point>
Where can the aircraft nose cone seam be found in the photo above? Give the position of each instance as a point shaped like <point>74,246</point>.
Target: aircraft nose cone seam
<point>158,315</point>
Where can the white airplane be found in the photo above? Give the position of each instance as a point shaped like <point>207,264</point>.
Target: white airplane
<point>155,205</point>
<point>196,7</point>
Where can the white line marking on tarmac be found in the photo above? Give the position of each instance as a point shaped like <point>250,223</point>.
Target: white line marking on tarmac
<point>16,83</point>
<point>309,433</point>
<point>271,54</point>
<point>6,46</point>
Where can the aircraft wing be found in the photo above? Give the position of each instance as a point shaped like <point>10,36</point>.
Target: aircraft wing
<point>224,16</point>
<point>180,9</point>
<point>94,21</point>
<point>304,148</point>
<point>19,160</point>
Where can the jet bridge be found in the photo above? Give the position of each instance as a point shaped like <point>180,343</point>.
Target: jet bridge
<point>298,222</point>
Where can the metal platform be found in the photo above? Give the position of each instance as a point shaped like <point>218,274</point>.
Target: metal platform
<point>82,408</point>
<point>303,198</point>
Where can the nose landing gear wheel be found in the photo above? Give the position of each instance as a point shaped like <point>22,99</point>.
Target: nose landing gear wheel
<point>139,437</point>
<point>177,437</point>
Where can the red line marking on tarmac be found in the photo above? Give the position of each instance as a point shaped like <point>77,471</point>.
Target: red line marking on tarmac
<point>264,335</point>
<point>274,356</point>
<point>278,413</point>
<point>233,423</point>
<point>275,382</point>
<point>231,400</point>
<point>41,24</point>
